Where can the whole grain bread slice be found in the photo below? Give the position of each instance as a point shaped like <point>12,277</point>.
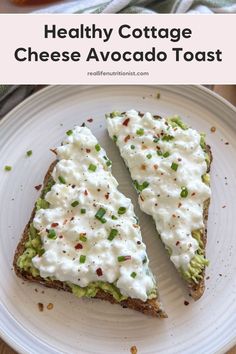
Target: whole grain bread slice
<point>152,307</point>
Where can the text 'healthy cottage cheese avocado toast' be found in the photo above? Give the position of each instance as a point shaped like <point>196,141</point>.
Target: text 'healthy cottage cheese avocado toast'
<point>169,164</point>
<point>83,235</point>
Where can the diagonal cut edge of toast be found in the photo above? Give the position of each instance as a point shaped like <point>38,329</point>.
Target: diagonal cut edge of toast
<point>197,290</point>
<point>152,307</point>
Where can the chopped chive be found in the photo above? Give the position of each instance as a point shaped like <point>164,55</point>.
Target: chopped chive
<point>141,187</point>
<point>159,153</point>
<point>69,132</point>
<point>167,137</point>
<point>174,166</point>
<point>155,140</point>
<point>114,138</point>
<point>82,258</point>
<point>184,192</point>
<point>75,203</point>
<point>123,258</point>
<point>52,234</point>
<point>29,152</point>
<point>144,260</point>
<point>103,220</point>
<point>97,147</point>
<point>100,213</point>
<point>108,163</point>
<point>132,147</point>
<point>122,210</point>
<point>166,154</point>
<point>92,167</point>
<point>112,234</point>
<point>7,168</point>
<point>140,131</point>
<point>105,157</point>
<point>83,238</point>
<point>114,217</point>
<point>133,275</point>
<point>149,156</point>
<point>62,179</point>
<point>83,211</point>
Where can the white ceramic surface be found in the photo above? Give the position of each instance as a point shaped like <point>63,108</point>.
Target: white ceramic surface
<point>90,326</point>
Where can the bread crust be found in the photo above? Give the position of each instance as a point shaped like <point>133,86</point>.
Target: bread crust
<point>197,290</point>
<point>152,307</point>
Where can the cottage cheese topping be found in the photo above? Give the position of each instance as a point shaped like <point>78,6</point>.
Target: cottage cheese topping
<point>90,232</point>
<point>167,164</point>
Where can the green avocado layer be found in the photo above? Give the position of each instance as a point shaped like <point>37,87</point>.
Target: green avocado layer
<point>34,247</point>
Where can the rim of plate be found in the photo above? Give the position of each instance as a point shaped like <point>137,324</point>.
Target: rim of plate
<point>6,337</point>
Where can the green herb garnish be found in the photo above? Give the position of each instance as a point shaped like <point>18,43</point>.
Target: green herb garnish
<point>108,163</point>
<point>149,156</point>
<point>155,140</point>
<point>75,203</point>
<point>133,275</point>
<point>52,234</point>
<point>61,179</point>
<point>114,217</point>
<point>83,238</point>
<point>82,258</point>
<point>99,215</point>
<point>167,137</point>
<point>184,192</point>
<point>7,168</point>
<point>97,147</point>
<point>132,147</point>
<point>122,210</point>
<point>69,132</point>
<point>123,258</point>
<point>112,234</point>
<point>174,166</point>
<point>114,138</point>
<point>140,131</point>
<point>29,153</point>
<point>83,211</point>
<point>92,167</point>
<point>166,154</point>
<point>141,187</point>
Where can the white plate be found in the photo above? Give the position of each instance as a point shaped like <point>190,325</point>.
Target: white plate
<point>90,326</point>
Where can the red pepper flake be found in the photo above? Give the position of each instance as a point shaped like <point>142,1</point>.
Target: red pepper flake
<point>107,195</point>
<point>38,187</point>
<point>60,236</point>
<point>158,147</point>
<point>174,216</point>
<point>40,306</point>
<point>126,138</point>
<point>88,151</point>
<point>85,192</point>
<point>78,246</point>
<point>126,122</point>
<point>179,159</point>
<point>54,224</point>
<point>65,221</point>
<point>143,167</point>
<point>155,167</point>
<point>138,242</point>
<point>177,243</point>
<point>99,272</point>
<point>227,143</point>
<point>179,205</point>
<point>71,219</point>
<point>193,194</point>
<point>141,198</point>
<point>133,349</point>
<point>186,303</point>
<point>136,226</point>
<point>213,129</point>
<point>54,151</point>
<point>90,120</point>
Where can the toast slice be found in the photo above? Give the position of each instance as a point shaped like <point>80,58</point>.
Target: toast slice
<point>101,237</point>
<point>169,164</point>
